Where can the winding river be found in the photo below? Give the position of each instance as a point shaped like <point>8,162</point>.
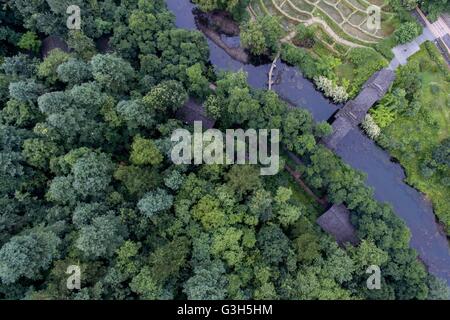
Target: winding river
<point>383,175</point>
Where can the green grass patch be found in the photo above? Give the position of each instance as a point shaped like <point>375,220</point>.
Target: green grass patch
<point>346,71</point>
<point>416,136</point>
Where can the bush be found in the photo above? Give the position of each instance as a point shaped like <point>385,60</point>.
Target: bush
<point>301,59</point>
<point>331,90</point>
<point>383,116</point>
<point>74,72</point>
<point>437,58</point>
<point>407,32</point>
<point>304,37</point>
<point>371,128</point>
<point>367,61</point>
<point>48,68</point>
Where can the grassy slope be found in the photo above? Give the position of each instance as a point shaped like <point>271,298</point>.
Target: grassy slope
<point>421,133</point>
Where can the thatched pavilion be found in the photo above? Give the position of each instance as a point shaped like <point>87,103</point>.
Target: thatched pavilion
<point>192,111</point>
<point>336,221</point>
<point>53,42</point>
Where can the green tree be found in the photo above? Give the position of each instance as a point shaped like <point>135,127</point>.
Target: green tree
<point>27,255</point>
<point>85,213</point>
<point>272,32</point>
<point>20,114</point>
<point>226,244</point>
<point>102,237</point>
<point>273,243</point>
<point>165,97</point>
<point>154,202</point>
<point>198,83</point>
<point>145,286</point>
<point>252,37</point>
<point>39,152</point>
<point>113,73</point>
<point>207,283</point>
<point>305,36</point>
<point>20,65</point>
<point>235,7</point>
<point>137,180</point>
<point>30,41</point>
<point>83,46</point>
<point>209,213</point>
<point>168,260</point>
<point>27,91</point>
<point>48,68</point>
<point>407,32</point>
<point>145,152</point>
<point>136,114</point>
<point>286,213</point>
<point>74,72</point>
<point>92,174</point>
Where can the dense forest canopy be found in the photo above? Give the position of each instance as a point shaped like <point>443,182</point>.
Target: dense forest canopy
<point>86,177</point>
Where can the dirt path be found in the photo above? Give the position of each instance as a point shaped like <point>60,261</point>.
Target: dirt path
<point>296,175</point>
<point>332,34</point>
<point>330,31</point>
<point>313,21</point>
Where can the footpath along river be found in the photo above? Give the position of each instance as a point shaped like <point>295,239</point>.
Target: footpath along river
<point>383,175</point>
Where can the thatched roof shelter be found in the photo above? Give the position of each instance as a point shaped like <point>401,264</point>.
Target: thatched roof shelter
<point>192,111</point>
<point>53,42</point>
<point>103,44</point>
<point>336,221</point>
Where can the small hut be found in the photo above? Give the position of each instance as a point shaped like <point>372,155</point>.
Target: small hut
<point>336,221</point>
<point>53,42</point>
<point>192,111</point>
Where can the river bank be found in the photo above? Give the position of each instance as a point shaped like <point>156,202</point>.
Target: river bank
<point>215,24</point>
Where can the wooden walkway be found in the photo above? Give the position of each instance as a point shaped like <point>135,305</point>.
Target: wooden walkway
<point>438,28</point>
<point>272,69</point>
<point>298,178</point>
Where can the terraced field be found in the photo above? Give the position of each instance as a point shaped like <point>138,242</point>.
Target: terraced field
<point>344,21</point>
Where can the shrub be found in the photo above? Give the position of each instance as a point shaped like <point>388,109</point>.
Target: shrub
<point>331,90</point>
<point>407,32</point>
<point>304,37</point>
<point>383,116</point>
<point>371,128</point>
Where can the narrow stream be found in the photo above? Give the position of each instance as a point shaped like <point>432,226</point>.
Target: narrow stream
<point>385,176</point>
<point>293,86</point>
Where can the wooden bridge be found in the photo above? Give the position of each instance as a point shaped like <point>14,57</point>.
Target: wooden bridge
<point>354,112</point>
